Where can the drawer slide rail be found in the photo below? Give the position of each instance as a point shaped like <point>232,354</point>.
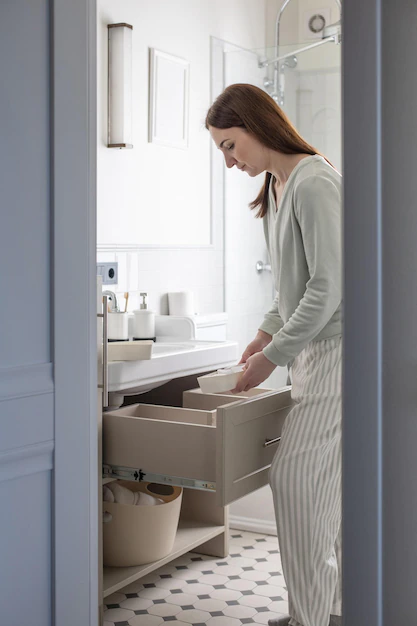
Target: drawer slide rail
<point>140,475</point>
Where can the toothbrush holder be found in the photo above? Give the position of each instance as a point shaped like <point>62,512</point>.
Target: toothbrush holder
<point>118,327</point>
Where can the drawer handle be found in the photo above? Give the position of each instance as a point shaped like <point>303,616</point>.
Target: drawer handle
<point>271,442</point>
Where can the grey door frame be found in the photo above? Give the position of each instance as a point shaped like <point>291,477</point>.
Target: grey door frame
<point>380,329</point>
<point>73,105</point>
<point>362,410</point>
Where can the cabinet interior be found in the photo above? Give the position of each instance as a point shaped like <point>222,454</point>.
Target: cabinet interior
<point>183,420</point>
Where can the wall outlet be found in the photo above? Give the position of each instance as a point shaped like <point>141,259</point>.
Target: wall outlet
<point>109,272</point>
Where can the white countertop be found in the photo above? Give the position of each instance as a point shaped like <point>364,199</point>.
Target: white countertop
<point>171,358</point>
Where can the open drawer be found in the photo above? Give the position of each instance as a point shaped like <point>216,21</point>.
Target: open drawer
<point>226,444</point>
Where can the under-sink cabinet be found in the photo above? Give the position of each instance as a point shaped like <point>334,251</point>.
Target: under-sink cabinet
<point>218,447</point>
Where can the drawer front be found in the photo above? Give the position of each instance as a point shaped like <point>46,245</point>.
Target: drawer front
<point>196,399</point>
<point>243,427</point>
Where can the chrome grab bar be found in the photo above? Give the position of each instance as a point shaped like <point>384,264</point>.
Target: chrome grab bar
<point>262,267</point>
<point>105,385</point>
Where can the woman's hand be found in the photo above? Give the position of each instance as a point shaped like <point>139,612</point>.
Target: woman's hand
<point>261,340</point>
<point>256,370</point>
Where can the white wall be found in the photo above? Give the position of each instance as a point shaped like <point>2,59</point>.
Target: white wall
<point>182,28</point>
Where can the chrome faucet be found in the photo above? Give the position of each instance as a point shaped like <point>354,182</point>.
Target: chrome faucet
<point>114,308</point>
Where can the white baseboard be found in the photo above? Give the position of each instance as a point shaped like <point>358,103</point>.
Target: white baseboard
<point>253,525</point>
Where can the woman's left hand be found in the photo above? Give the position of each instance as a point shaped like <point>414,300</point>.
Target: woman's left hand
<point>257,369</point>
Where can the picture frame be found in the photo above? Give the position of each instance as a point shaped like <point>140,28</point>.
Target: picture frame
<point>168,99</point>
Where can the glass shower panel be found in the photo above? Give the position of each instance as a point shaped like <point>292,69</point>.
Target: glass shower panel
<point>308,84</point>
<point>311,93</point>
<point>248,293</point>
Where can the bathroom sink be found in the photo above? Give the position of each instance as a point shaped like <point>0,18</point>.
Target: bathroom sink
<point>161,348</point>
<point>170,359</point>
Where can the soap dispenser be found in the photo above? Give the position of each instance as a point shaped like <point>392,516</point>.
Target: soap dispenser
<point>144,322</point>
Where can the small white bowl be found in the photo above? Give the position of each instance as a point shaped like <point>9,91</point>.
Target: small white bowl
<point>220,381</point>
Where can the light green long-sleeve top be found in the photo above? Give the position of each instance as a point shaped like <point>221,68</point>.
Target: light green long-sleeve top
<point>303,236</point>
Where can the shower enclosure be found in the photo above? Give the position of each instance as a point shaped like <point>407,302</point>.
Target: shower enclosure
<point>310,84</point>
<point>305,77</point>
<point>318,28</point>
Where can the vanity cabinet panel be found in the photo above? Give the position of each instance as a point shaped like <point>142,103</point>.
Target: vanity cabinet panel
<point>217,440</point>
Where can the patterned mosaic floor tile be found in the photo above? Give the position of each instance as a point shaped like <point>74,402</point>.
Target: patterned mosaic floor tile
<point>247,587</point>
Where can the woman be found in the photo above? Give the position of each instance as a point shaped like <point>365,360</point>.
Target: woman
<point>300,204</point>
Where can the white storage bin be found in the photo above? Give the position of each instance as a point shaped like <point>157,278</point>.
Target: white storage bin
<point>220,381</point>
<point>141,534</point>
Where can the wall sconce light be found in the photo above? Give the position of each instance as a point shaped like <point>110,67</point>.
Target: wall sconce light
<point>120,86</point>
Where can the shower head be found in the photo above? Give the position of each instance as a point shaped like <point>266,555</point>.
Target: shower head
<point>291,62</point>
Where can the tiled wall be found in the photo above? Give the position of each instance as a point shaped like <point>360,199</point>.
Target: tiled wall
<point>159,271</point>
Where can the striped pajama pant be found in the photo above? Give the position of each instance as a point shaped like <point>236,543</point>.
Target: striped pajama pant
<point>305,479</point>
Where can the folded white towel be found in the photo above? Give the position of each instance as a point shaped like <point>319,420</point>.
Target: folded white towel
<point>146,499</point>
<point>122,495</point>
<point>107,494</point>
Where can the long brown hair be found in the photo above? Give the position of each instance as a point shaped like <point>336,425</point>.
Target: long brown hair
<point>251,108</point>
